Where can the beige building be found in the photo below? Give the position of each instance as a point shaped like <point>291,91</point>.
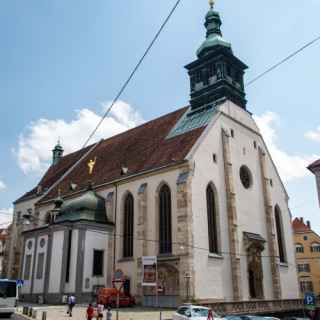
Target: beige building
<point>308,256</point>
<point>197,188</point>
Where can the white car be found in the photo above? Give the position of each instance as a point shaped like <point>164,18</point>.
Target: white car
<point>191,312</point>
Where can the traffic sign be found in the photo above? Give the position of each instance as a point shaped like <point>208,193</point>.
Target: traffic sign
<point>20,283</point>
<point>118,279</point>
<point>309,300</point>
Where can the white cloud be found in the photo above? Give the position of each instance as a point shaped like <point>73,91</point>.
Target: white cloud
<point>35,145</point>
<point>5,217</point>
<point>2,186</point>
<point>313,134</point>
<point>289,166</point>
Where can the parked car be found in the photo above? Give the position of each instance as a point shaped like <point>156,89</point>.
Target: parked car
<point>192,312</point>
<point>108,297</point>
<point>249,317</point>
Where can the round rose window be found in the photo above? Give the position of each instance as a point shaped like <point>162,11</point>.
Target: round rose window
<point>245,177</point>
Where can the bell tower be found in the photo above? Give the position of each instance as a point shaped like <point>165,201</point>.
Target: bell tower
<point>217,74</point>
<point>57,153</point>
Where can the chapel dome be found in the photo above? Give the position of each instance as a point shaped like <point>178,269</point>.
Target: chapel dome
<point>88,206</point>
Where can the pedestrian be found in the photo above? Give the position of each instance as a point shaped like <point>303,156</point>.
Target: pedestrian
<point>210,315</point>
<point>90,312</point>
<point>109,314</point>
<point>71,304</point>
<point>100,308</point>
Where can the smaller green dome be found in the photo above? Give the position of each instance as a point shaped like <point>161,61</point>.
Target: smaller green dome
<point>89,206</point>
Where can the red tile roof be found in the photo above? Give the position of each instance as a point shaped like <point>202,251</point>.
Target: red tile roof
<point>53,174</point>
<point>140,149</point>
<point>298,225</point>
<point>314,166</point>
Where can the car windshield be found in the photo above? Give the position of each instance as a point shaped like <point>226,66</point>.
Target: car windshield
<point>200,312</point>
<point>8,289</point>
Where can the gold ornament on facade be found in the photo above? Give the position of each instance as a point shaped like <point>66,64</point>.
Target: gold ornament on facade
<point>91,165</point>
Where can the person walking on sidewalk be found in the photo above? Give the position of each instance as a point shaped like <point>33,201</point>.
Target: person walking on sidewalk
<point>90,312</point>
<point>71,304</point>
<point>109,314</point>
<point>100,308</point>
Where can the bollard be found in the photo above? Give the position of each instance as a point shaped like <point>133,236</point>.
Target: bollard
<point>160,315</point>
<point>44,315</point>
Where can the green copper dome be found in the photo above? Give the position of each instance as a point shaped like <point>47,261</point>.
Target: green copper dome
<point>214,36</point>
<point>89,206</point>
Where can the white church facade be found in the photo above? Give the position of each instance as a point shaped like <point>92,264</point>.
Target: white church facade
<point>197,188</point>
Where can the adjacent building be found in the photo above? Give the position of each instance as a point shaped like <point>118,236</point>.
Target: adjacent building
<point>197,188</point>
<point>307,244</point>
<point>4,233</point>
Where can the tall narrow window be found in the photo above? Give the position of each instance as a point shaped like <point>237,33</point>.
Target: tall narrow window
<point>98,256</point>
<point>27,267</point>
<point>69,256</point>
<point>279,231</point>
<point>212,221</point>
<point>165,228</point>
<point>128,226</point>
<point>40,265</point>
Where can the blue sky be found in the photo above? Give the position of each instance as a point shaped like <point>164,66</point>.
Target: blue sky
<point>63,61</point>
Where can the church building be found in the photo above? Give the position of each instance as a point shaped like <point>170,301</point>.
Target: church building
<point>196,188</point>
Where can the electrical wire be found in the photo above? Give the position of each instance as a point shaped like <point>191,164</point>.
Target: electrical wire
<point>289,57</point>
<point>180,244</point>
<point>135,69</point>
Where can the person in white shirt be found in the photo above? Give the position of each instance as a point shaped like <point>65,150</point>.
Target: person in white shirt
<point>100,308</point>
<point>71,304</point>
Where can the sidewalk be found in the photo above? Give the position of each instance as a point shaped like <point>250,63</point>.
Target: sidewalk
<point>79,313</point>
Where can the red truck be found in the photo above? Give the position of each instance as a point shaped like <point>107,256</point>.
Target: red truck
<point>108,297</point>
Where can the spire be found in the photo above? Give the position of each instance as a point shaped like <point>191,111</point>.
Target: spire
<point>214,35</point>
<point>217,74</point>
<point>57,153</point>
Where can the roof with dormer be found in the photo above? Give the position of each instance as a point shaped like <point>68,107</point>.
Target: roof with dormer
<point>144,148</point>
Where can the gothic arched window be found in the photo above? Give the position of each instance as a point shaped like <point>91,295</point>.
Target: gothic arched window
<point>212,220</point>
<point>279,230</point>
<point>165,228</point>
<point>128,226</point>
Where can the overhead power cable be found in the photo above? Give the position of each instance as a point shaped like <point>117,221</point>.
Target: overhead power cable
<point>124,86</point>
<point>289,57</point>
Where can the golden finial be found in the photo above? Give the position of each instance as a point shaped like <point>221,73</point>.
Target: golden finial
<point>211,4</point>
<point>91,165</point>
<point>59,192</point>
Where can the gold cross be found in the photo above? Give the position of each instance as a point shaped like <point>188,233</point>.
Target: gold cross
<point>91,165</point>
<point>211,3</point>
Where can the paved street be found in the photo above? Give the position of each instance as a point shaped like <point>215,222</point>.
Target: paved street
<point>59,313</point>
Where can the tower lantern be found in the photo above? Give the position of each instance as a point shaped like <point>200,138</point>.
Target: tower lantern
<point>57,153</point>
